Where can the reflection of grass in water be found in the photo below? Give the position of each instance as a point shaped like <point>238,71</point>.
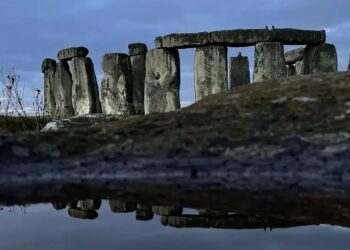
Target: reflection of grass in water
<point>16,123</point>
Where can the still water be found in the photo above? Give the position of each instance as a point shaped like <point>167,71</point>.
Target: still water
<point>95,224</point>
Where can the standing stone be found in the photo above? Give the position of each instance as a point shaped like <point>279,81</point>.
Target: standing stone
<point>290,70</point>
<point>48,67</point>
<point>239,70</point>
<point>119,206</point>
<point>137,52</point>
<point>349,64</point>
<point>116,86</point>
<point>167,210</point>
<point>85,90</point>
<point>320,59</point>
<point>162,83</point>
<point>210,74</point>
<point>63,91</point>
<point>90,204</point>
<point>299,68</point>
<point>269,61</point>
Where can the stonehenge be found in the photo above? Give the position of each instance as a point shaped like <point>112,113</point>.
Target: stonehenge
<point>120,206</point>
<point>148,81</point>
<point>85,91</point>
<point>137,53</point>
<point>162,82</point>
<point>320,59</point>
<point>210,74</point>
<point>117,84</point>
<point>239,71</point>
<point>269,61</point>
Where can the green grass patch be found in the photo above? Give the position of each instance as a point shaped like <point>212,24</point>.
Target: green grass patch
<point>15,123</point>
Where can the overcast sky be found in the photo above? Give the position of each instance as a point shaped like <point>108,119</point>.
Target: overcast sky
<point>32,30</point>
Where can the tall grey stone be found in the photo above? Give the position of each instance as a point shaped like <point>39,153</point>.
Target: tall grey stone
<point>320,59</point>
<point>48,67</point>
<point>269,62</point>
<point>137,52</point>
<point>349,64</point>
<point>299,68</point>
<point>210,73</point>
<point>90,204</point>
<point>85,89</point>
<point>162,83</point>
<point>119,206</point>
<point>239,70</point>
<point>290,70</point>
<point>63,91</point>
<point>117,84</point>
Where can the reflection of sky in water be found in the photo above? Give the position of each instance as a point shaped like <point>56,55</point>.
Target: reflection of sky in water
<point>42,227</point>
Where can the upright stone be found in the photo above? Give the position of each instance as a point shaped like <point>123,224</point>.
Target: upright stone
<point>162,83</point>
<point>137,52</point>
<point>85,89</point>
<point>210,74</point>
<point>239,70</point>
<point>119,206</point>
<point>116,87</point>
<point>269,61</point>
<point>299,68</point>
<point>290,70</point>
<point>48,67</point>
<point>63,91</point>
<point>349,64</point>
<point>320,59</point>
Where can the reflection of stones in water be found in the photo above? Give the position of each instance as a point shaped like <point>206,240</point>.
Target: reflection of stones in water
<point>119,206</point>
<point>72,204</point>
<point>144,212</point>
<point>166,210</point>
<point>82,214</point>
<point>90,204</point>
<point>209,212</point>
<point>59,205</point>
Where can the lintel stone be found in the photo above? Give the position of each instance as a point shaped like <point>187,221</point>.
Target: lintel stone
<point>70,53</point>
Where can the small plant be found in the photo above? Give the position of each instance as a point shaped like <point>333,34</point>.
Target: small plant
<point>12,107</point>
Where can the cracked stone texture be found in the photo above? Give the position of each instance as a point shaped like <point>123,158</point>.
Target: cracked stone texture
<point>85,94</point>
<point>241,38</point>
<point>162,83</point>
<point>117,84</point>
<point>287,135</point>
<point>320,59</point>
<point>48,67</point>
<point>210,71</point>
<point>269,61</point>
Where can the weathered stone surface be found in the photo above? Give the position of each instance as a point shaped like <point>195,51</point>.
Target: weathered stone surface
<point>294,55</point>
<point>241,38</point>
<point>82,214</point>
<point>136,49</point>
<point>63,91</point>
<point>49,69</point>
<point>349,64</point>
<point>79,121</point>
<point>137,52</point>
<point>70,53</point>
<point>90,204</point>
<point>299,68</point>
<point>162,83</point>
<point>269,61</point>
<point>239,71</point>
<point>47,64</point>
<point>320,59</point>
<point>212,213</point>
<point>85,92</point>
<point>210,73</point>
<point>72,204</point>
<point>290,70</point>
<point>117,84</point>
<point>166,210</point>
<point>119,206</point>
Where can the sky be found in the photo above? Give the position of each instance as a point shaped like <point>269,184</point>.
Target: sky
<point>31,30</point>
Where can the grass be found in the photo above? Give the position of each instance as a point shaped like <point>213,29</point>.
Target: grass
<point>11,124</point>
